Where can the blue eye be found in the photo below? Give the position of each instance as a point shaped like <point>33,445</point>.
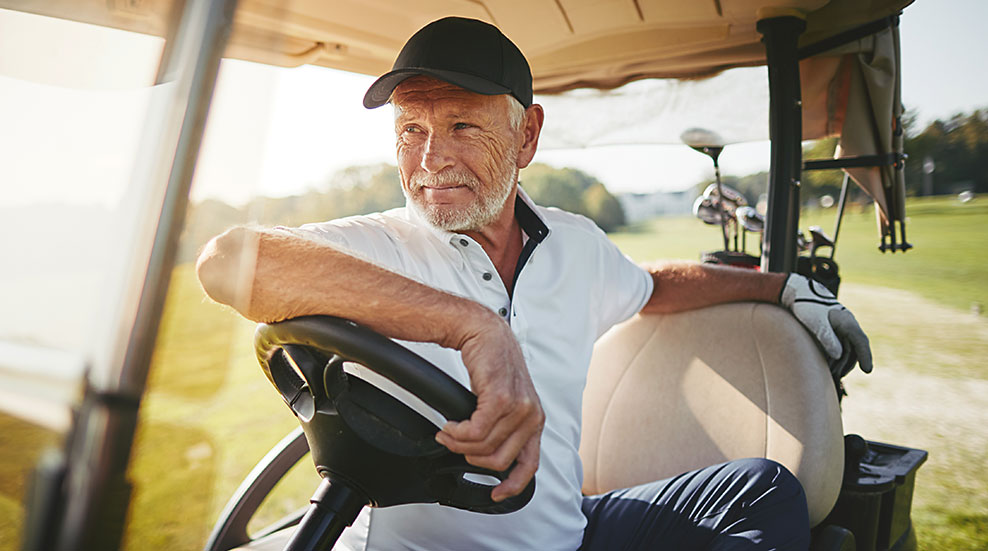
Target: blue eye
<point>461,126</point>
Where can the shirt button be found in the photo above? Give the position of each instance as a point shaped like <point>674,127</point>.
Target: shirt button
<point>503,312</point>
<point>464,242</point>
<point>487,276</point>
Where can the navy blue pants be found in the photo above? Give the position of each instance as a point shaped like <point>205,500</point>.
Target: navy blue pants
<point>745,504</point>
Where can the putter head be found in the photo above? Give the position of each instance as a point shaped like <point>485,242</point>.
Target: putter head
<point>750,219</point>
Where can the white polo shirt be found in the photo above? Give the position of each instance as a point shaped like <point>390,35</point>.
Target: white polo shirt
<point>573,287</point>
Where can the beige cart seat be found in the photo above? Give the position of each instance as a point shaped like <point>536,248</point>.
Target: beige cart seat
<point>670,393</point>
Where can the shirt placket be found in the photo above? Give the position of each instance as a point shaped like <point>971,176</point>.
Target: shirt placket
<point>480,267</point>
<point>519,319</point>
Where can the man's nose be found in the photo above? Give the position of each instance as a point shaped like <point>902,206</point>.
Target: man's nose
<point>436,155</point>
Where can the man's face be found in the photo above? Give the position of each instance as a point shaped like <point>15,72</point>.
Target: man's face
<point>457,152</point>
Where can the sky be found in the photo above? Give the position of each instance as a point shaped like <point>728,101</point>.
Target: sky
<point>278,131</point>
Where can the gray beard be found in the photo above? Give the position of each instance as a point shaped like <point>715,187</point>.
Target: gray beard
<point>474,216</point>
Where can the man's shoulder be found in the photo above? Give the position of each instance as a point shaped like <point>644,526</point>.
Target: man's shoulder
<point>568,222</point>
<point>378,231</point>
<point>389,221</point>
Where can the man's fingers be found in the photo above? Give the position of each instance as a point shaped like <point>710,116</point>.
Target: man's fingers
<point>848,327</point>
<point>827,338</point>
<point>505,454</point>
<point>486,423</point>
<point>864,356</point>
<point>509,433</point>
<point>528,463</point>
<point>468,445</point>
<point>479,426</point>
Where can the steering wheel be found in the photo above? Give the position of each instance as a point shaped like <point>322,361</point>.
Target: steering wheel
<point>369,447</point>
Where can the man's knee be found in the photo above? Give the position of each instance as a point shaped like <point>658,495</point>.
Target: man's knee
<point>773,503</point>
<point>768,472</point>
<point>764,477</point>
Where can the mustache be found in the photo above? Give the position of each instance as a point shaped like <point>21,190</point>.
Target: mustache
<point>446,178</point>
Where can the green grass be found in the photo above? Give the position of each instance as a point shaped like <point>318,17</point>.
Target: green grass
<point>947,264</point>
<point>210,414</point>
<point>208,417</point>
<point>23,444</point>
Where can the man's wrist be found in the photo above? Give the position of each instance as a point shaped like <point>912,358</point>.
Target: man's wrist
<point>468,320</point>
<point>782,290</point>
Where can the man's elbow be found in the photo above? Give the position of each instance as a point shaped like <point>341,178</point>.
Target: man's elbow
<point>223,268</point>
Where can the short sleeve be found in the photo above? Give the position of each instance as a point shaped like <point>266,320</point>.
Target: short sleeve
<point>624,287</point>
<point>363,237</point>
<point>322,233</point>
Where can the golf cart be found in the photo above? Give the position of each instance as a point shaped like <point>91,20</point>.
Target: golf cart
<point>832,70</point>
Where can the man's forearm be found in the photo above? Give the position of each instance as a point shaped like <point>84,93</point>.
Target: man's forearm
<point>683,286</point>
<point>270,276</point>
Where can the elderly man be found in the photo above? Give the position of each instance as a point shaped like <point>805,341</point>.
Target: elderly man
<point>514,295</point>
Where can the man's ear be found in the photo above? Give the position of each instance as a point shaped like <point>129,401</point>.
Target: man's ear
<point>531,129</point>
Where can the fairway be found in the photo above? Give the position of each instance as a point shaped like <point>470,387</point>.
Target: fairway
<point>948,264</point>
<point>210,414</point>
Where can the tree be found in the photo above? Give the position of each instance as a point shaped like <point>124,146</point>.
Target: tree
<point>603,208</point>
<point>575,191</point>
<point>817,183</point>
<point>958,148</point>
<point>554,187</point>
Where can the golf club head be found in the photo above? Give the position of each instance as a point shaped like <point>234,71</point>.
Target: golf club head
<point>749,219</point>
<point>705,141</point>
<point>730,194</point>
<point>706,209</point>
<point>819,238</point>
<point>731,201</point>
<point>801,243</point>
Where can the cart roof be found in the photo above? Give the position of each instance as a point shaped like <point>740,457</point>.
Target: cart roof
<point>852,91</point>
<point>569,43</point>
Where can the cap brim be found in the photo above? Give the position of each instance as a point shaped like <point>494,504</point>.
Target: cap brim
<point>380,92</point>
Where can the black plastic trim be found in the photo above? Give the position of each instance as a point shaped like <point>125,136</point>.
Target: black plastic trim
<point>848,36</point>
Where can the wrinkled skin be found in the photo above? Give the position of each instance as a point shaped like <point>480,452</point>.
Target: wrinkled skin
<point>457,153</point>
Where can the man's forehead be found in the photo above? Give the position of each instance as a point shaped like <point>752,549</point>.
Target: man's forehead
<point>428,89</point>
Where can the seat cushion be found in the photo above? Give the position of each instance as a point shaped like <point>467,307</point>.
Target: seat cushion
<point>671,393</point>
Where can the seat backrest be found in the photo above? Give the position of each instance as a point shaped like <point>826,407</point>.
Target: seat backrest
<point>671,393</point>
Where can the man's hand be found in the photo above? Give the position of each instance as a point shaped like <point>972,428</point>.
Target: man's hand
<point>831,324</point>
<point>507,424</point>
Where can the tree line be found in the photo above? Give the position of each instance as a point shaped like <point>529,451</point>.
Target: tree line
<point>956,148</point>
<point>374,188</point>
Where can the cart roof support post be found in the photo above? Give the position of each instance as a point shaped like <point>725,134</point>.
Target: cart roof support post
<point>87,490</point>
<point>780,36</point>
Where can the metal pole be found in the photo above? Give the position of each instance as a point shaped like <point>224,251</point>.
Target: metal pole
<point>331,509</point>
<point>720,205</point>
<point>781,35</point>
<point>841,204</point>
<point>96,490</point>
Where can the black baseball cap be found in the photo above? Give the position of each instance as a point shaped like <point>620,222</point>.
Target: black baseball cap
<point>469,53</point>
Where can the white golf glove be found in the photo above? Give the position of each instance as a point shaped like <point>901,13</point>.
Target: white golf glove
<point>832,325</point>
